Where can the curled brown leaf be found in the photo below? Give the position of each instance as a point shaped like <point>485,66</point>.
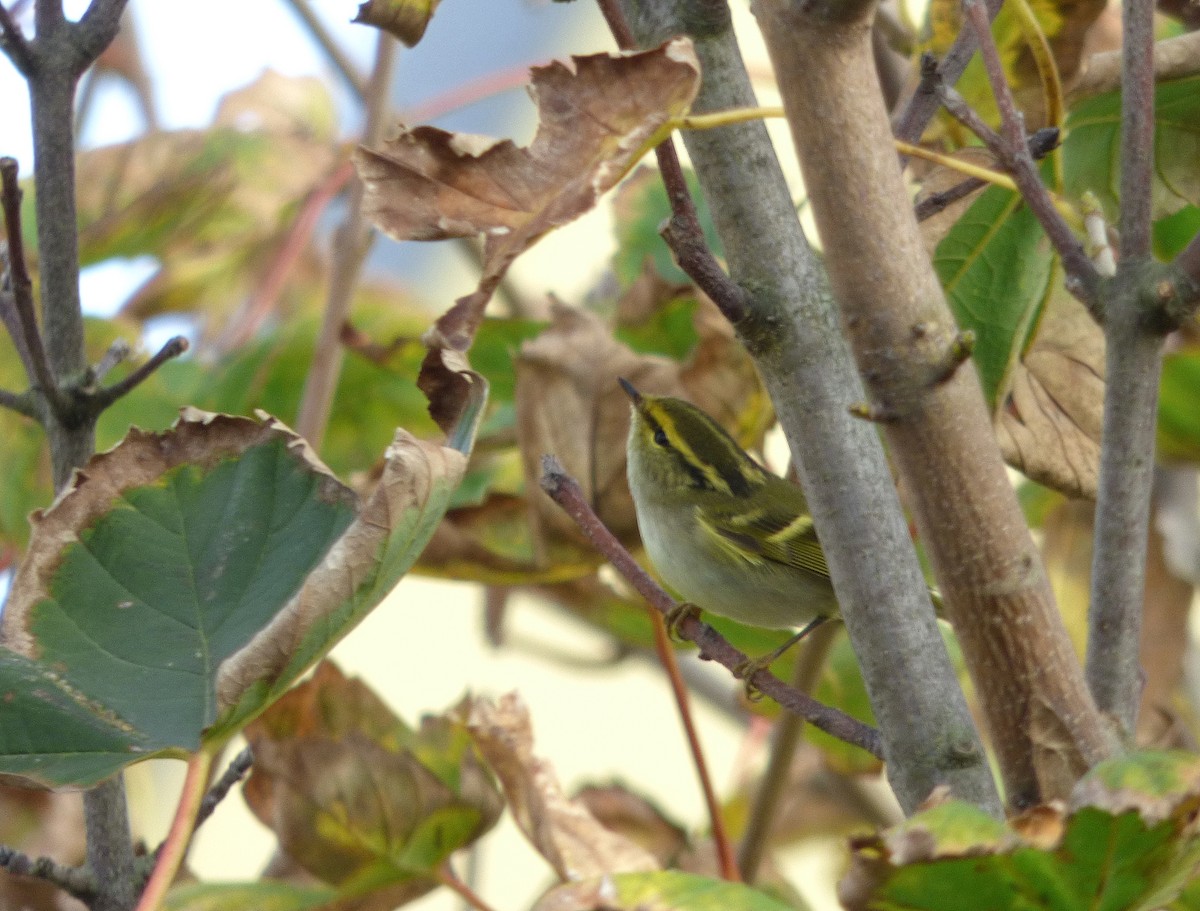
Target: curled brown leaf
<point>1050,426</point>
<point>562,830</point>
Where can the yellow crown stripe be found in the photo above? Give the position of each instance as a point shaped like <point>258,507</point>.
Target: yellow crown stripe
<point>680,444</point>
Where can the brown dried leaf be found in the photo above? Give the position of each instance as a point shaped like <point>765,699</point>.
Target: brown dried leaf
<point>406,19</point>
<point>595,118</point>
<point>570,405</point>
<point>562,830</point>
<point>418,477</point>
<point>1049,428</point>
<point>621,810</point>
<point>353,793</point>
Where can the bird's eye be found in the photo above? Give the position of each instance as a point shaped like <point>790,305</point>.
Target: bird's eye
<point>660,437</point>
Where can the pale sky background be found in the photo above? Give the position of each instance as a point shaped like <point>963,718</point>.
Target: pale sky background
<point>423,648</point>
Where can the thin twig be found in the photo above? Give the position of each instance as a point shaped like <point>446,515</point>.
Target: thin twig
<point>1137,128</point>
<point>447,877</point>
<point>338,57</point>
<point>234,772</point>
<point>95,30</point>
<point>1133,365</point>
<point>20,402</point>
<point>1013,151</point>
<point>1040,144</point>
<point>1174,58</point>
<point>666,657</point>
<point>15,44</point>
<point>920,108</point>
<point>353,240</point>
<point>109,394</point>
<point>117,352</point>
<point>565,491</point>
<point>682,232</point>
<point>41,375</point>
<point>1188,259</point>
<point>76,881</point>
<point>789,730</point>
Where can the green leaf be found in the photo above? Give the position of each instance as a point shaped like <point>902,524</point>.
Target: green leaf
<point>1092,148</point>
<point>667,889</point>
<point>639,208</point>
<point>186,580</point>
<point>1129,842</point>
<point>996,267</point>
<point>265,895</point>
<point>1178,414</point>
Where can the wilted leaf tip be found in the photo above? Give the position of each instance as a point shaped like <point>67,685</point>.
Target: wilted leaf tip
<point>404,19</point>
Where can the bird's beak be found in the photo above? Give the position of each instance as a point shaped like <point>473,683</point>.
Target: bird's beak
<point>630,390</point>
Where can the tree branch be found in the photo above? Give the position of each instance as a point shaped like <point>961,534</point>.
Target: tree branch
<point>791,329</point>
<point>29,338</point>
<point>234,772</point>
<point>351,244</point>
<point>102,398</point>
<point>916,113</point>
<point>940,436</point>
<point>1137,323</point>
<point>95,30</point>
<point>75,881</point>
<point>1174,58</point>
<point>1012,148</point>
<point>565,491</point>
<point>14,43</point>
<point>340,60</point>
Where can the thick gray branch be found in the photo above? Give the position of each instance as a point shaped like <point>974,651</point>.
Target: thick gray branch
<point>792,331</point>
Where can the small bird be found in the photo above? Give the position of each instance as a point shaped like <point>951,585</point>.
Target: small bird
<point>721,530</point>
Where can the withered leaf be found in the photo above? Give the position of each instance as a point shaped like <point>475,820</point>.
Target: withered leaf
<point>570,405</point>
<point>595,117</point>
<point>1050,426</point>
<point>356,796</point>
<point>562,830</point>
<point>364,565</point>
<point>406,19</point>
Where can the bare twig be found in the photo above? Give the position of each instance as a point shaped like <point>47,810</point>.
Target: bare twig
<point>565,491</point>
<point>920,108</point>
<point>14,43</point>
<point>789,730</point>
<point>117,352</point>
<point>340,60</point>
<point>96,29</point>
<point>1174,58</point>
<point>447,877</point>
<point>76,881</point>
<point>666,657</point>
<point>1012,148</point>
<point>353,240</point>
<point>682,232</point>
<point>109,394</point>
<point>20,402</point>
<point>41,375</point>
<point>234,772</point>
<point>1188,259</point>
<point>1137,128</point>
<point>1134,332</point>
<point>1040,143</point>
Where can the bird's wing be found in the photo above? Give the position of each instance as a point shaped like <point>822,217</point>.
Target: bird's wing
<point>760,536</point>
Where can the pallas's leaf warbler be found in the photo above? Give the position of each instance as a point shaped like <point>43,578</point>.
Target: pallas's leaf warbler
<point>725,533</point>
